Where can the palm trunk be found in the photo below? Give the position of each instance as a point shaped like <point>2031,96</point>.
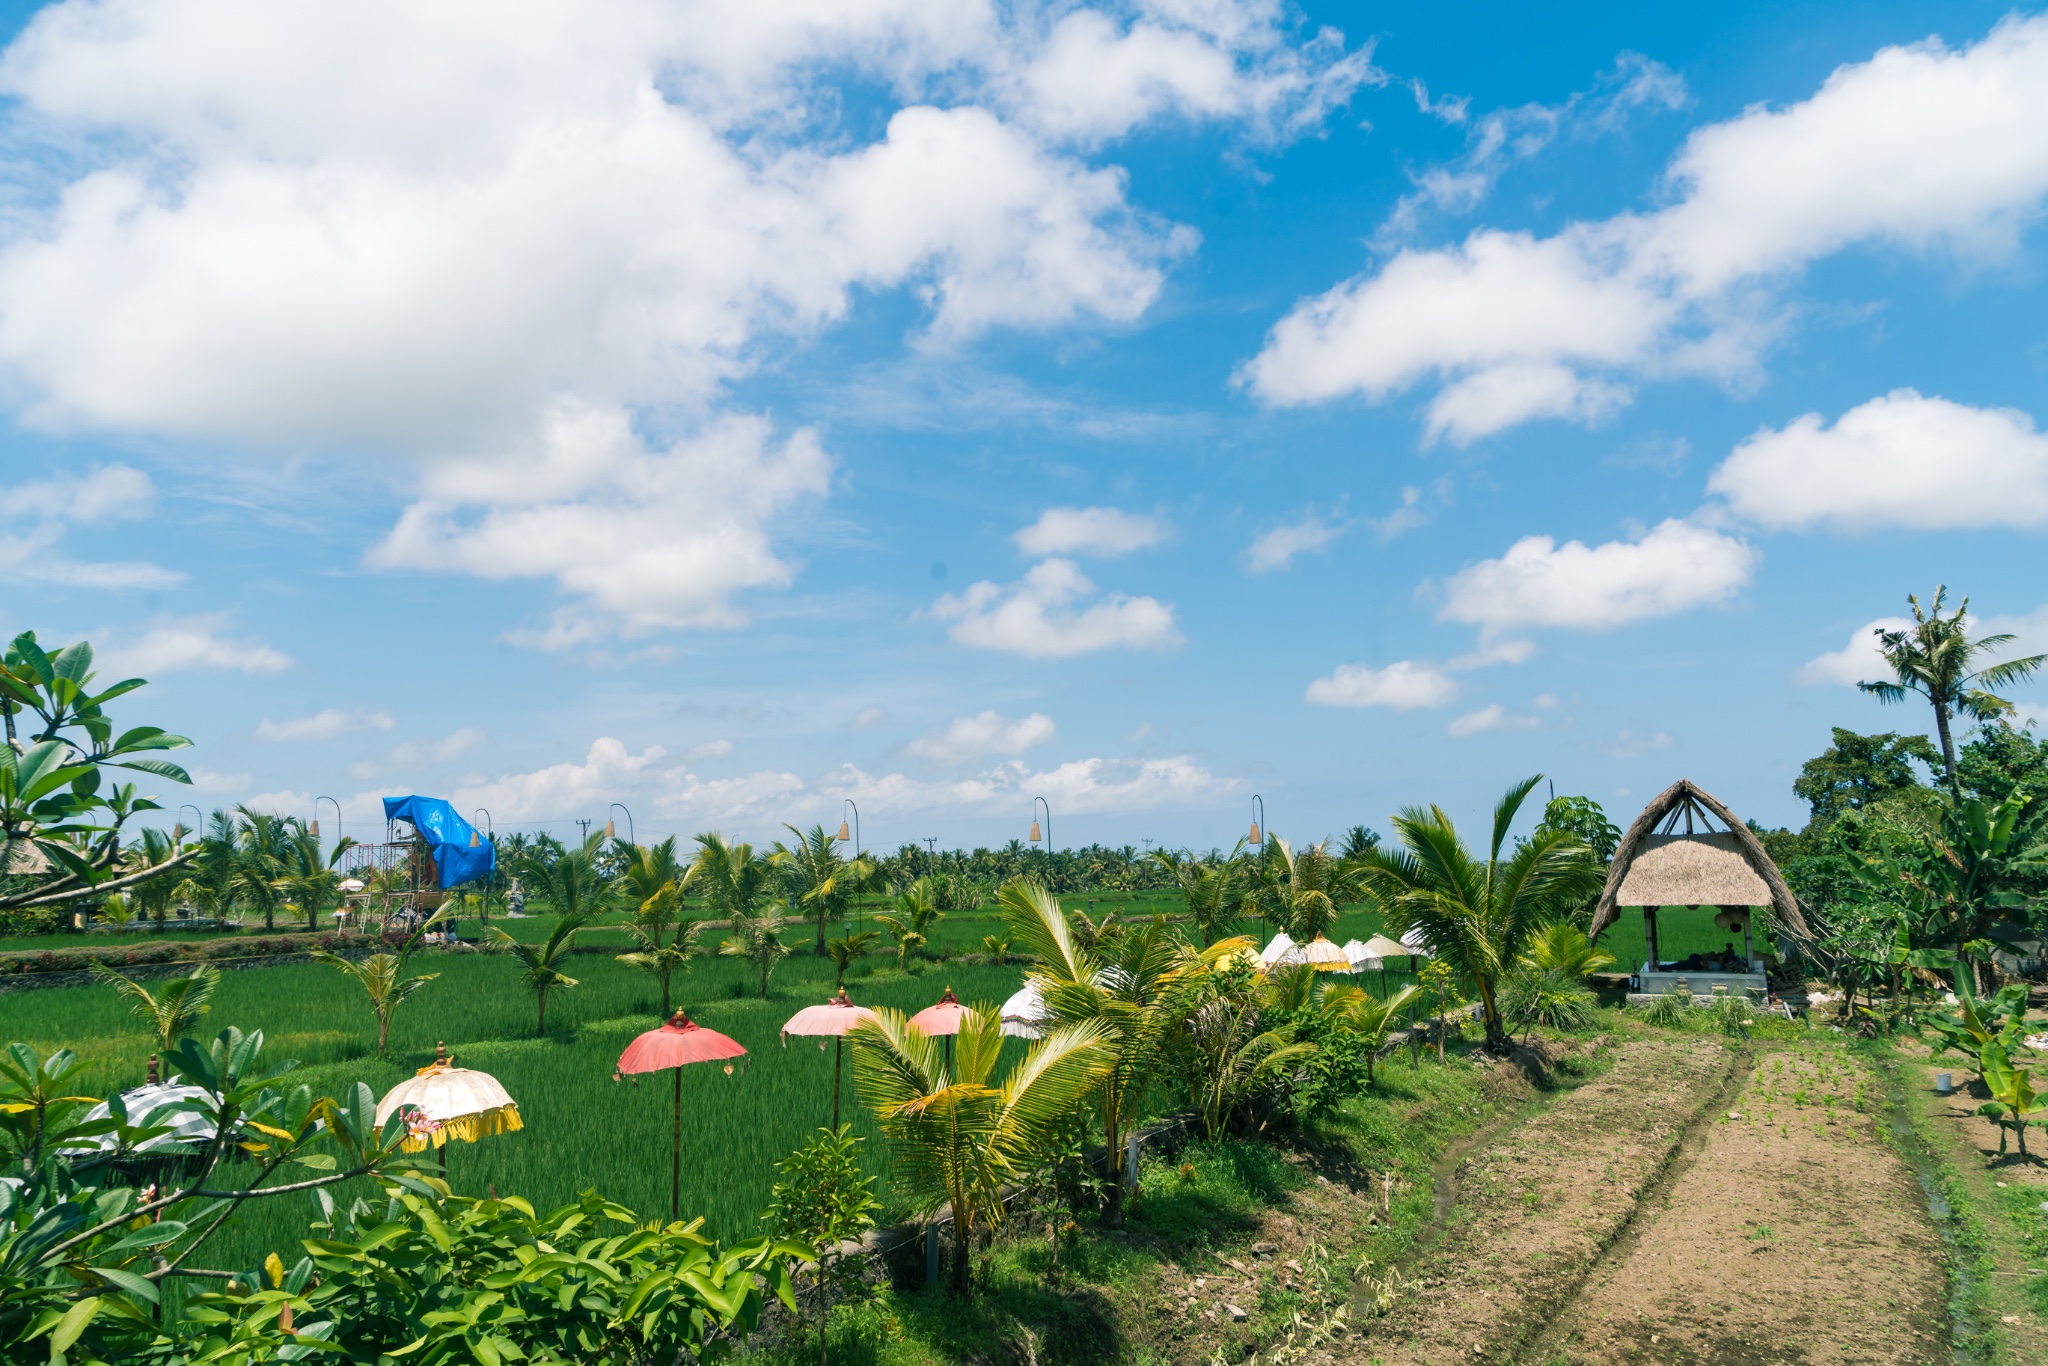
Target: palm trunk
<point>1948,746</point>
<point>963,1252</point>
<point>1497,1040</point>
<point>540,1019</point>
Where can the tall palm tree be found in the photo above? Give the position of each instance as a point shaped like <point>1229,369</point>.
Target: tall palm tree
<point>1211,889</point>
<point>667,936</point>
<point>260,840</point>
<point>1134,985</point>
<point>758,939</point>
<point>1478,915</point>
<point>574,884</point>
<point>173,1008</point>
<point>1301,893</point>
<point>303,878</point>
<point>957,1135</point>
<point>1934,657</point>
<point>540,965</point>
<point>382,978</point>
<point>822,878</point>
<point>916,910</point>
<point>731,876</point>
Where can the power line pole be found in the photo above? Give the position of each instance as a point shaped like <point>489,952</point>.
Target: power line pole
<point>586,830</point>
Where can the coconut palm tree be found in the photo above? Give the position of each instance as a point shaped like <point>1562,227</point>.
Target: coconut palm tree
<point>1562,948</point>
<point>1301,893</point>
<point>844,951</point>
<point>667,936</point>
<point>958,1135</point>
<point>1211,889</point>
<point>916,911</point>
<point>1232,1053</point>
<point>260,841</point>
<point>758,939</point>
<point>173,1008</point>
<point>303,878</point>
<point>1934,657</point>
<point>1135,985</point>
<point>573,882</point>
<point>822,878</point>
<point>382,978</point>
<point>1477,915</point>
<point>731,876</point>
<point>540,965</point>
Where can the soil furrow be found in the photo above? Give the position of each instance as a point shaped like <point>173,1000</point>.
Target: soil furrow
<point>1537,1207</point>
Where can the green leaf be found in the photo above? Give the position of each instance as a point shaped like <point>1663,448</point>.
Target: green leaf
<point>162,768</point>
<point>72,1324</point>
<point>128,1281</point>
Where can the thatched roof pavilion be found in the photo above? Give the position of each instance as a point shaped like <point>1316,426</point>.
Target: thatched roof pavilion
<point>1658,863</point>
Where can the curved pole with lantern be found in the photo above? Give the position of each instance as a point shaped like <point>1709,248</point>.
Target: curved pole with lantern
<point>859,908</point>
<point>314,828</point>
<point>1037,802</point>
<point>1258,820</point>
<point>199,817</point>
<point>611,830</point>
<point>490,878</point>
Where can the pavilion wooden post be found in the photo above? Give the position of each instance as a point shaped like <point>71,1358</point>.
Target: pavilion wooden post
<point>1650,933</point>
<point>1748,952</point>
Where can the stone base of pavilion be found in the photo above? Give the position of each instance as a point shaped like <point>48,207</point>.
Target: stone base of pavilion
<point>1646,986</point>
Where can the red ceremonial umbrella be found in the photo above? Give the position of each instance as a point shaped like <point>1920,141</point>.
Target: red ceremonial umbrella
<point>941,1018</point>
<point>676,1044</point>
<point>837,1017</point>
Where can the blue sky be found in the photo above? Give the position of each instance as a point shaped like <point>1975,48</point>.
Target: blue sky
<point>728,409</point>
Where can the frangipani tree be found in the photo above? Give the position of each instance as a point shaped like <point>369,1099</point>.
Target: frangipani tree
<point>956,1133</point>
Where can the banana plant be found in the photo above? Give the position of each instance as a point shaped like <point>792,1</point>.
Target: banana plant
<point>2012,1090</point>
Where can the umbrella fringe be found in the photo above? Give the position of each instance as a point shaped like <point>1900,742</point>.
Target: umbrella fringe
<point>469,1128</point>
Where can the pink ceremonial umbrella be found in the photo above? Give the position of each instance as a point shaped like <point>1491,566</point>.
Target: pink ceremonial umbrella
<point>941,1018</point>
<point>837,1018</point>
<point>676,1044</point>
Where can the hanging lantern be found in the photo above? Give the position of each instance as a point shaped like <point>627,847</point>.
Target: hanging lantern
<point>1256,838</point>
<point>611,830</point>
<point>844,834</point>
<point>313,829</point>
<point>474,839</point>
<point>1035,837</point>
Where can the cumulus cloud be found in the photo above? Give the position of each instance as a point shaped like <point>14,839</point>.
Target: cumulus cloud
<point>1921,148</point>
<point>1674,567</point>
<point>413,754</point>
<point>325,725</point>
<point>1901,460</point>
<point>1036,616</point>
<point>710,749</point>
<point>1276,549</point>
<point>194,643</point>
<point>1402,686</point>
<point>1628,744</point>
<point>1494,717</point>
<point>984,734</point>
<point>643,539</point>
<point>561,790</point>
<point>436,233</point>
<point>1089,531</point>
<point>107,493</point>
<point>1857,661</point>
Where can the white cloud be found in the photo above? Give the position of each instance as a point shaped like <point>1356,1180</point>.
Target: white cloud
<point>1033,617</point>
<point>561,790</point>
<point>1276,549</point>
<point>1627,744</point>
<point>1921,147</point>
<point>867,718</point>
<point>710,749</point>
<point>1089,531</point>
<point>1856,661</point>
<point>1901,460</point>
<point>414,754</point>
<point>1675,567</point>
<point>984,734</point>
<point>179,644</point>
<point>1403,685</point>
<point>325,725</point>
<point>108,493</point>
<point>434,231</point>
<point>213,782</point>
<point>1494,717</point>
<point>641,538</point>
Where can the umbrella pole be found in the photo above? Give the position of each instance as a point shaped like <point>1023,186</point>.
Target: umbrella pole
<point>675,1165</point>
<point>838,1042</point>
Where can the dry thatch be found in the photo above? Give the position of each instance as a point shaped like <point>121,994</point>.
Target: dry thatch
<point>1694,867</point>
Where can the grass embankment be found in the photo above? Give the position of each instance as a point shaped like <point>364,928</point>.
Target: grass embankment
<point>1997,1221</point>
<point>1286,1229</point>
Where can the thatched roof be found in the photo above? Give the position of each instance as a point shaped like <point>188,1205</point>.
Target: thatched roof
<point>1658,863</point>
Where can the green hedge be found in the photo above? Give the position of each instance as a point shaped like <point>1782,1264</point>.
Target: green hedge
<point>174,951</point>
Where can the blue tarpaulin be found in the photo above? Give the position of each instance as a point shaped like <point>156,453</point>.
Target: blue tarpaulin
<point>448,835</point>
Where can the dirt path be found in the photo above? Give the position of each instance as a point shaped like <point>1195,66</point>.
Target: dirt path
<point>1538,1206</point>
<point>1792,1234</point>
